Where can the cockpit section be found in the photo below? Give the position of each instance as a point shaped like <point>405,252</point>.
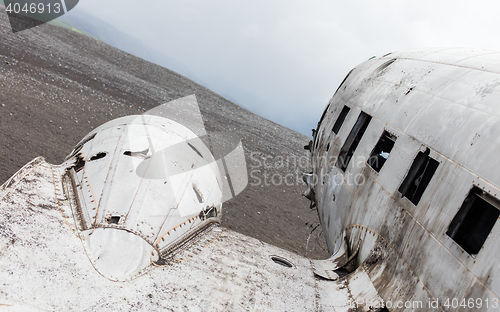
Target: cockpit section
<point>143,186</point>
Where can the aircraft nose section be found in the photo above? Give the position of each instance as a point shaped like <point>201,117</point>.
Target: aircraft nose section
<point>144,185</point>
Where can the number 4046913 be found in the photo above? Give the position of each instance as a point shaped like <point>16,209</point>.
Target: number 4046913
<point>34,8</point>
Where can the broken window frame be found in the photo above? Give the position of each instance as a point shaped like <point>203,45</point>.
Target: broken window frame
<point>423,168</point>
<point>377,160</point>
<point>340,120</point>
<point>352,141</point>
<point>113,219</point>
<point>474,220</point>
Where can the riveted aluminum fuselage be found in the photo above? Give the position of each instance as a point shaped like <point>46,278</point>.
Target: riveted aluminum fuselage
<point>443,102</point>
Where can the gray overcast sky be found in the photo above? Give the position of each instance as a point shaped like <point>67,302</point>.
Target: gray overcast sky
<point>284,59</point>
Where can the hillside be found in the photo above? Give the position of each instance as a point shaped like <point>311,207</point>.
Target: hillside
<point>57,85</point>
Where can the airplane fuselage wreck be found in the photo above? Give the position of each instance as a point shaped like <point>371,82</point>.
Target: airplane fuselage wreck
<point>407,175</point>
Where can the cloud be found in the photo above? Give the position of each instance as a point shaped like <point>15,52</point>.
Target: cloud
<point>284,59</point>
<point>252,30</point>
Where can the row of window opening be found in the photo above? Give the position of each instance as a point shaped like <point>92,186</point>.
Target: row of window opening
<point>478,214</point>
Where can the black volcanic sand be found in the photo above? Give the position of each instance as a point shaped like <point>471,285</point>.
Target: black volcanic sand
<point>57,85</point>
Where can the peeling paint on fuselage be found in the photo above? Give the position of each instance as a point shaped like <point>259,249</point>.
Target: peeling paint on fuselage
<point>442,99</point>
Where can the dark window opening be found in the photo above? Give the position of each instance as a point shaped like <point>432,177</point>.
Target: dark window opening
<point>113,219</point>
<point>79,164</point>
<point>98,156</point>
<point>475,220</point>
<point>418,177</point>
<point>340,119</point>
<point>381,151</point>
<point>352,141</point>
<point>140,154</point>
